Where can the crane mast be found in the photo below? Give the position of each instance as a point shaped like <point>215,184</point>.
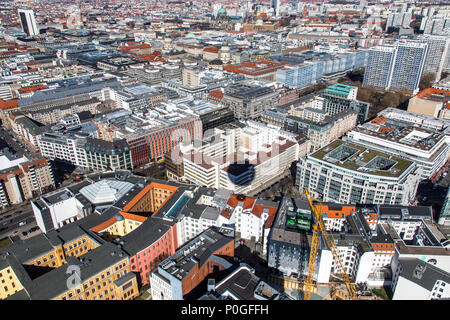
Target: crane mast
<point>319,228</point>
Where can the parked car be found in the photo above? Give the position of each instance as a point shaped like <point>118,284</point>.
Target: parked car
<point>24,233</point>
<point>22,223</point>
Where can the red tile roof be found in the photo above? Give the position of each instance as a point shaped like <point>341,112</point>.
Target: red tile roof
<point>216,94</point>
<point>5,105</point>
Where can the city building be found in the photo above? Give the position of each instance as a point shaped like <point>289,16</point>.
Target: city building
<point>28,22</point>
<point>63,147</point>
<point>232,287</point>
<point>445,211</point>
<point>322,132</point>
<point>420,280</point>
<point>438,50</point>
<point>260,70</point>
<point>428,149</point>
<point>100,272</point>
<point>249,101</point>
<point>420,267</point>
<point>344,172</point>
<point>201,257</point>
<point>339,97</point>
<point>289,241</point>
<point>242,157</point>
<point>108,155</point>
<point>253,218</point>
<point>23,178</point>
<point>398,67</point>
<point>309,67</point>
<point>431,102</point>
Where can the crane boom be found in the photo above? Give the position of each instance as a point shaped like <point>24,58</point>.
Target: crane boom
<point>330,242</point>
<point>312,263</point>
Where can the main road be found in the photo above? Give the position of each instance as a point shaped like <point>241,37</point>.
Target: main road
<point>11,223</point>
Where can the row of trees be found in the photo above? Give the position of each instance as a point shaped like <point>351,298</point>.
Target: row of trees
<point>380,99</point>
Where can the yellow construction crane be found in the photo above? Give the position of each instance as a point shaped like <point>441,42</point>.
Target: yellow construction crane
<point>319,228</point>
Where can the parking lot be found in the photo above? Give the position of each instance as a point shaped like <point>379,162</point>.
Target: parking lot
<point>20,222</point>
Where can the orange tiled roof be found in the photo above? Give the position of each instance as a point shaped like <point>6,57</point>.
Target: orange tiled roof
<point>211,49</point>
<point>385,129</point>
<point>226,213</point>
<point>345,211</point>
<point>144,191</point>
<point>104,225</point>
<point>32,89</point>
<point>248,201</point>
<point>379,119</point>
<point>216,94</point>
<point>433,91</point>
<point>5,105</point>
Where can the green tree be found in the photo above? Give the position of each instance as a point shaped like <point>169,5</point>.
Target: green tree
<point>427,80</point>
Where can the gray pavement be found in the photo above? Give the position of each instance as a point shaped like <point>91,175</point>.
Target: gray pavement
<point>9,139</point>
<point>10,222</point>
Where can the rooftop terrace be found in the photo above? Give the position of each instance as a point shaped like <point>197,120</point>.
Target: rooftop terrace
<point>354,157</point>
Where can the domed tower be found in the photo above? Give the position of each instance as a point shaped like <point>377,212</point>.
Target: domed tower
<point>222,13</point>
<point>222,18</point>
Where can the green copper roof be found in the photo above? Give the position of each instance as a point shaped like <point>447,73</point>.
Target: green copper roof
<point>339,89</point>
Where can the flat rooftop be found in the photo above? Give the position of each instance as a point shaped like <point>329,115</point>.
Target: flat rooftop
<point>410,136</point>
<point>196,252</point>
<point>357,158</point>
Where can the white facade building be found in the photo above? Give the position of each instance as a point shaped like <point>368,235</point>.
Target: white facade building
<point>57,209</point>
<point>242,158</point>
<point>28,22</point>
<point>426,148</point>
<point>347,173</point>
<point>418,280</point>
<point>62,147</point>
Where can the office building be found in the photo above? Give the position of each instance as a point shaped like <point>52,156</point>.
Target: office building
<point>105,155</point>
<point>242,157</point>
<point>339,97</point>
<point>67,148</point>
<point>151,145</point>
<point>426,148</point>
<point>344,172</point>
<point>322,132</point>
<point>249,101</point>
<point>309,67</point>
<point>28,22</point>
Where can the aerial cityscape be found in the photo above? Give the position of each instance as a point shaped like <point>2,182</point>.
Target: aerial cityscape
<point>226,150</point>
